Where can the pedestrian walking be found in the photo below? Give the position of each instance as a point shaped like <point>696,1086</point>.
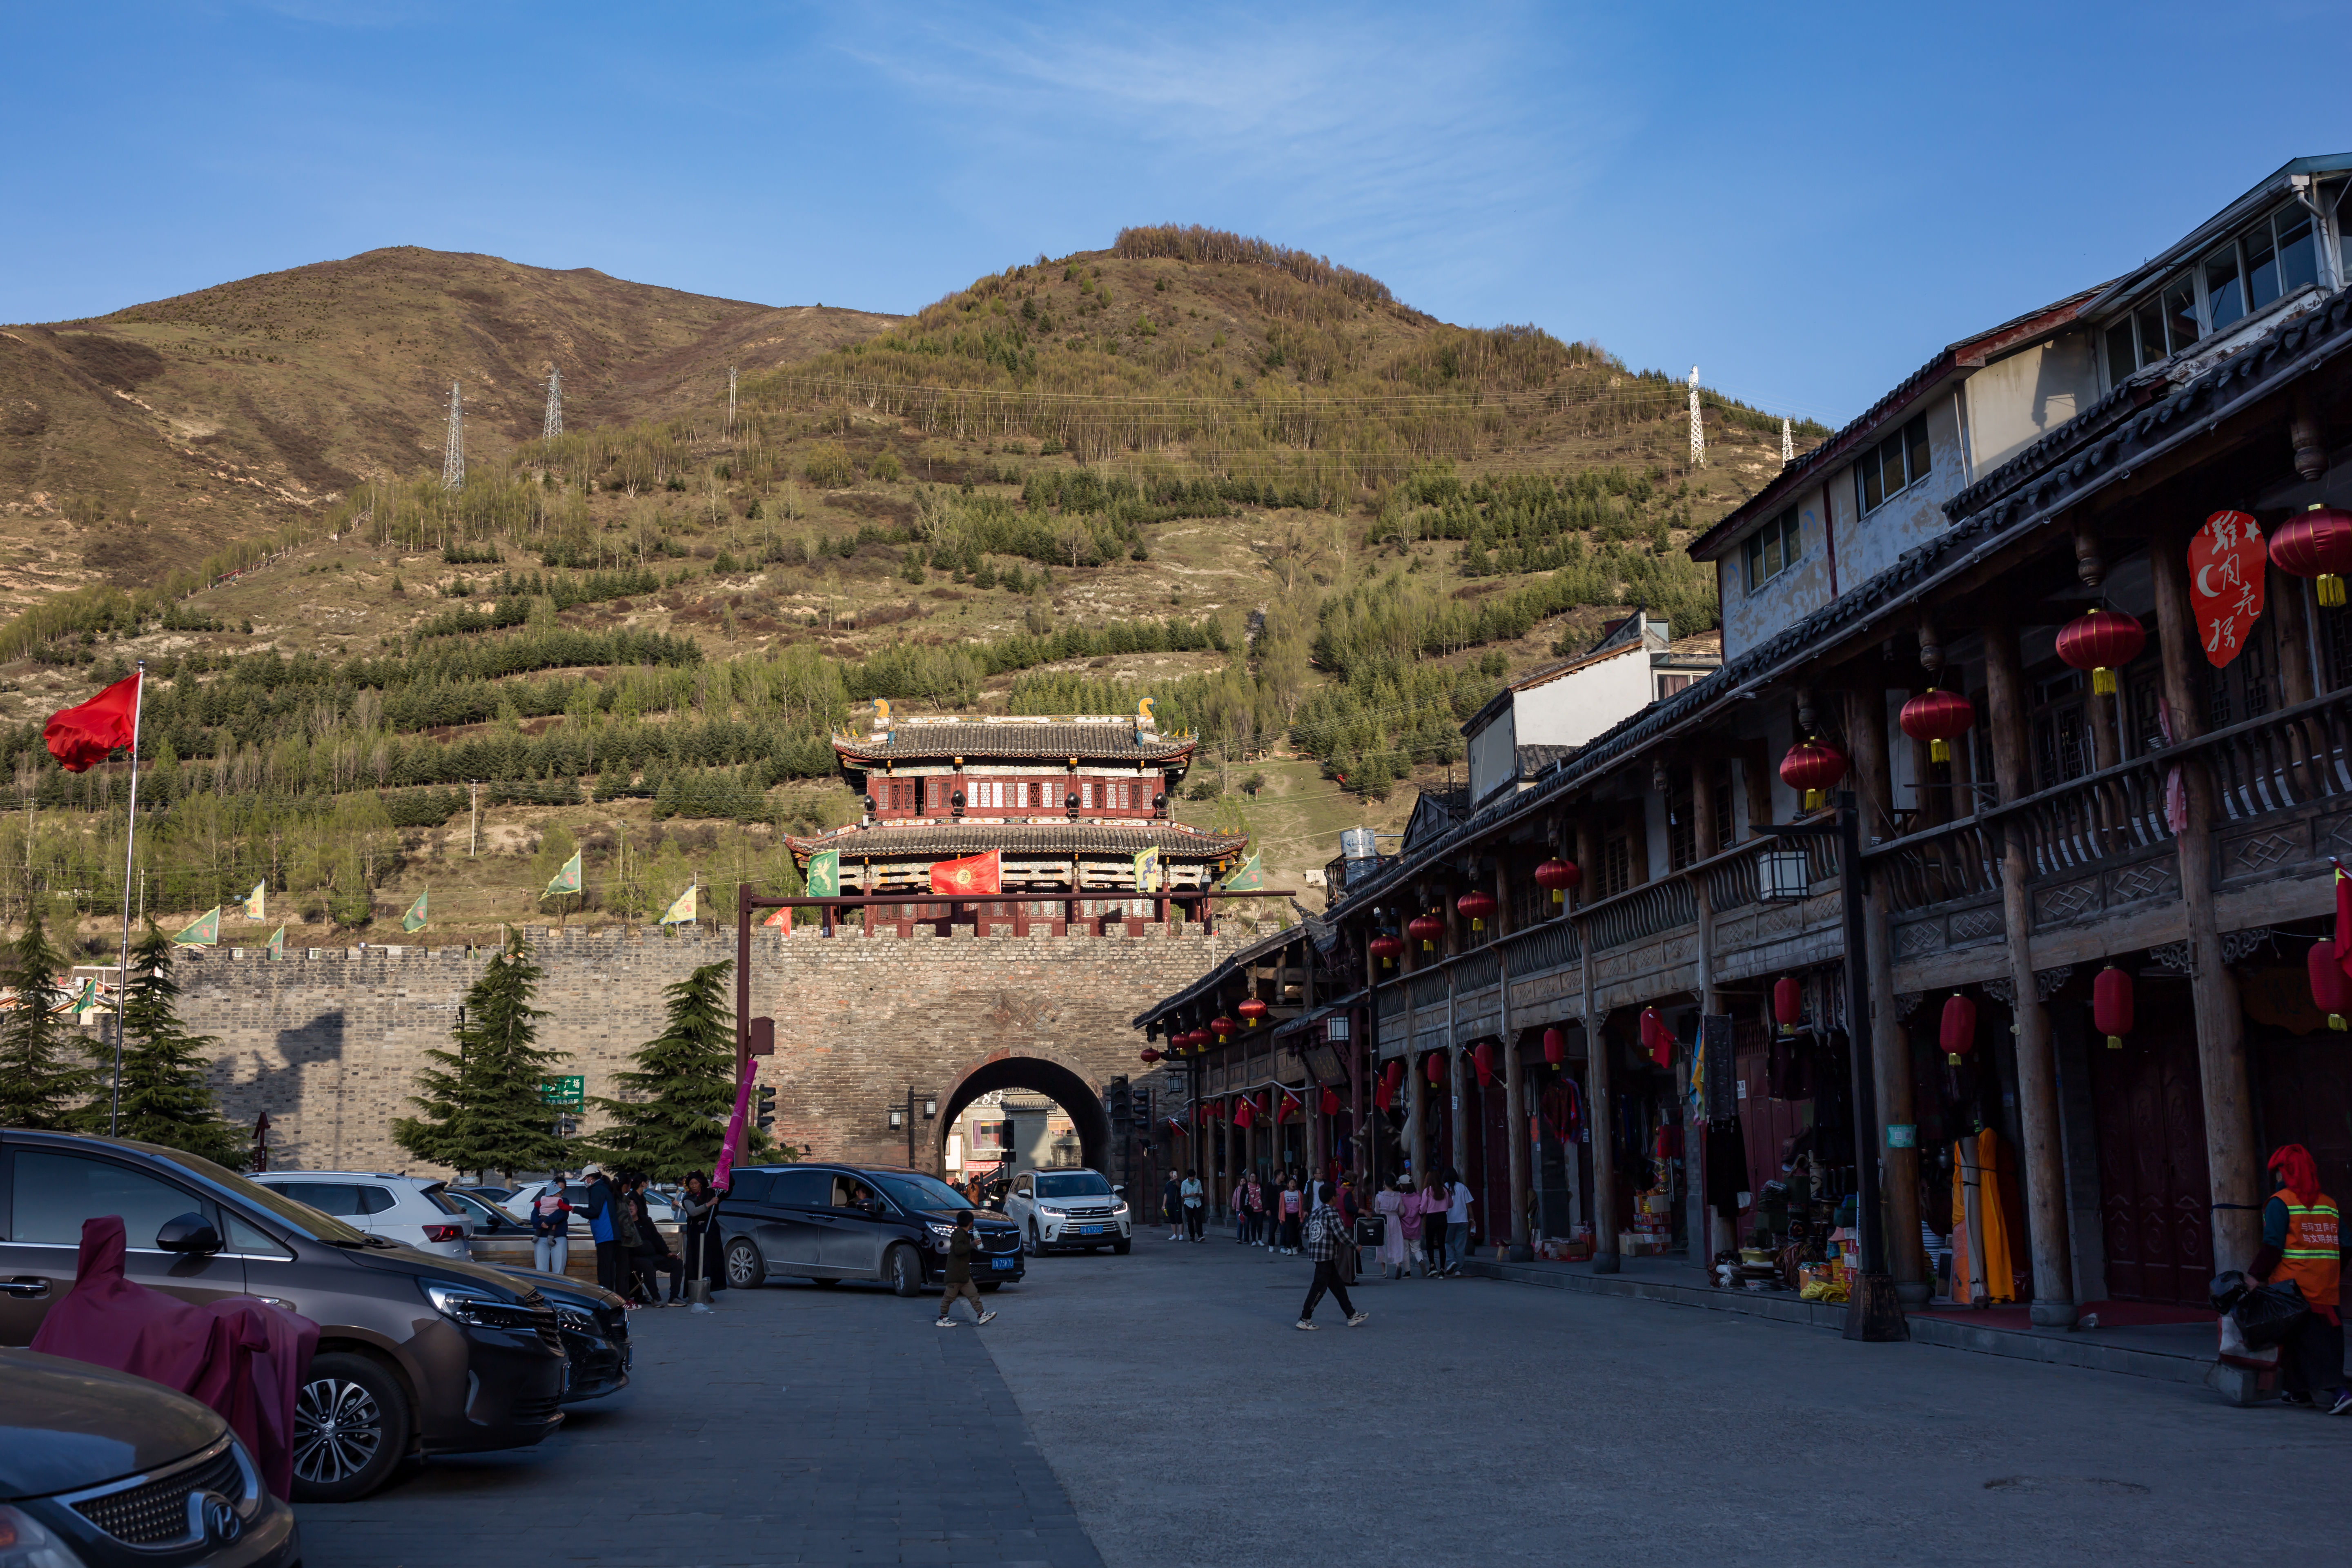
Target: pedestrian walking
<point>1172,1205</point>
<point>1349,1213</point>
<point>1242,1209</point>
<point>1188,1194</point>
<point>1457,1222</point>
<point>1323,1241</point>
<point>597,1204</point>
<point>961,1243</point>
<point>1431,1202</point>
<point>2303,1239</point>
<point>1293,1216</point>
<point>550,1227</point>
<point>1388,1204</point>
<point>697,1216</point>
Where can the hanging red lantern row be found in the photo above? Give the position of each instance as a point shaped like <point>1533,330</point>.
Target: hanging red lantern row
<point>2102,642</point>
<point>1330,1102</point>
<point>1938,718</point>
<point>2318,545</point>
<point>1788,1003</point>
<point>1224,1026</point>
<point>1426,929</point>
<point>2111,1005</point>
<point>1957,1033</point>
<point>1555,1045</point>
<point>1813,768</point>
<point>1482,1061</point>
<point>1387,949</point>
<point>2331,992</point>
<point>1556,877</point>
<point>1658,1041</point>
<point>1475,905</point>
<point>1436,1070</point>
<point>1251,1010</point>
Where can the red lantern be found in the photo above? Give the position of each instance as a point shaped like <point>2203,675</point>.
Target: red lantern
<point>1393,1075</point>
<point>1251,1011</point>
<point>1938,718</point>
<point>2331,993</point>
<point>1150,1056</point>
<point>1813,768</point>
<point>1436,1070</point>
<point>1330,1102</point>
<point>2316,545</point>
<point>1958,1033</point>
<point>1383,1094</point>
<point>1482,1059</point>
<point>1656,1038</point>
<point>1426,929</point>
<point>1223,1025</point>
<point>2111,1005</point>
<point>1557,877</point>
<point>2101,642</point>
<point>1788,1003</point>
<point>1476,907</point>
<point>1555,1048</point>
<point>1387,949</point>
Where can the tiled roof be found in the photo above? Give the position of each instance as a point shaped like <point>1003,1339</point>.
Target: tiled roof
<point>979,739</point>
<point>945,841</point>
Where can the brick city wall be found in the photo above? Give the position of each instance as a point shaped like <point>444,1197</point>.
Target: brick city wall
<point>329,1045</point>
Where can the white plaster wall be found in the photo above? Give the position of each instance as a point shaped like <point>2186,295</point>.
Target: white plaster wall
<point>1749,618</point>
<point>1575,708</point>
<point>1493,754</point>
<point>2021,397</point>
<point>1916,514</point>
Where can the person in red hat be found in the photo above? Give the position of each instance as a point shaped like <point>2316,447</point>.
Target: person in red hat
<point>2303,1242</point>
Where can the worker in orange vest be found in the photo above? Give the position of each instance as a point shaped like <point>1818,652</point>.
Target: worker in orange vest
<point>2302,1241</point>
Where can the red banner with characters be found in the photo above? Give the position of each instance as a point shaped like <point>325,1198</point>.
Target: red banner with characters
<point>2226,579</point>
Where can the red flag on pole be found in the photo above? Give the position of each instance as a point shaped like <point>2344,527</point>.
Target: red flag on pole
<point>972,874</point>
<point>80,737</point>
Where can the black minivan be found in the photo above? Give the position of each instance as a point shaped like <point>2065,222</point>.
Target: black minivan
<point>829,1223</point>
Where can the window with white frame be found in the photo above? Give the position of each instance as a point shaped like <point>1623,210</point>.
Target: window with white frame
<point>2267,260</point>
<point>1892,465</point>
<point>1774,548</point>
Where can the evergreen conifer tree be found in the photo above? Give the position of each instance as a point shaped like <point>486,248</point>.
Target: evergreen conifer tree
<point>43,1081</point>
<point>483,1109</point>
<point>166,1097</point>
<point>683,1090</point>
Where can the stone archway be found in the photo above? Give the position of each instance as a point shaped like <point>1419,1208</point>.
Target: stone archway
<point>1039,1074</point>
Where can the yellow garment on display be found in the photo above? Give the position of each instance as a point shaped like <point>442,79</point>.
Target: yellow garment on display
<point>1993,1205</point>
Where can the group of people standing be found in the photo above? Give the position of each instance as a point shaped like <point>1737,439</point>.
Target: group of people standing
<point>632,1254</point>
<point>1274,1213</point>
<point>1432,1220</point>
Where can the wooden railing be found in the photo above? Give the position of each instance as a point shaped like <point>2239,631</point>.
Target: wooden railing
<point>1642,913</point>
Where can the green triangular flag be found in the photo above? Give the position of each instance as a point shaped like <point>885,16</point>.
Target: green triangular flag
<point>824,874</point>
<point>277,943</point>
<point>1248,879</point>
<point>203,931</point>
<point>681,912</point>
<point>566,880</point>
<point>415,919</point>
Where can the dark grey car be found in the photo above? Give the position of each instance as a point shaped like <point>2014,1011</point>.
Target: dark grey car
<point>103,1469</point>
<point>418,1354</point>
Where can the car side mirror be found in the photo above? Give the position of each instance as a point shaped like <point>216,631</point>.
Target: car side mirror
<point>191,1234</point>
<point>1118,1189</point>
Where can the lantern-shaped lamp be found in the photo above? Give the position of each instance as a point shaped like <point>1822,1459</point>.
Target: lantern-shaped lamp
<point>2331,993</point>
<point>1387,947</point>
<point>1330,1102</point>
<point>1426,929</point>
<point>1394,1075</point>
<point>1938,718</point>
<point>1436,1070</point>
<point>2101,642</point>
<point>1251,1010</point>
<point>1788,1003</point>
<point>1555,1045</point>
<point>1656,1039</point>
<point>1556,876</point>
<point>2111,1005</point>
<point>1813,768</point>
<point>1224,1026</point>
<point>1150,1056</point>
<point>1482,1061</point>
<point>1958,1031</point>
<point>2317,544</point>
<point>1476,907</point>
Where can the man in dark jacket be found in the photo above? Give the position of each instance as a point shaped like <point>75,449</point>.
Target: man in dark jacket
<point>960,1247</point>
<point>650,1257</point>
<point>598,1204</point>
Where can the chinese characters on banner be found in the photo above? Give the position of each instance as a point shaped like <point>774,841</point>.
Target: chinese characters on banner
<point>2226,578</point>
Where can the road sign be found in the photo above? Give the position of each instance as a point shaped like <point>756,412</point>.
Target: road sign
<point>569,1093</point>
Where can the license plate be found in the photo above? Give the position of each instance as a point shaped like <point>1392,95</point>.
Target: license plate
<point>1089,1230</point>
<point>1007,1264</point>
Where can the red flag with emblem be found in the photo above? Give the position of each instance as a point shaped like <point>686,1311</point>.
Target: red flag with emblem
<point>80,737</point>
<point>973,875</point>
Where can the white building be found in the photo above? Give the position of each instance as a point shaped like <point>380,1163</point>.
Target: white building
<point>1552,709</point>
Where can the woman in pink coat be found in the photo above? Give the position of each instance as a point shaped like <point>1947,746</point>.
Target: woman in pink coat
<point>1390,1202</point>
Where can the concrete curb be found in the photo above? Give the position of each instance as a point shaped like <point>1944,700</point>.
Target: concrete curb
<point>2049,1347</point>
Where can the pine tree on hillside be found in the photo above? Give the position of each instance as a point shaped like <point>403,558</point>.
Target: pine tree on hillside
<point>483,1109</point>
<point>683,1090</point>
<point>43,1082</point>
<point>167,1096</point>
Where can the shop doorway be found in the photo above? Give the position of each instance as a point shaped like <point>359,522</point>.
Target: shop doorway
<point>2153,1189</point>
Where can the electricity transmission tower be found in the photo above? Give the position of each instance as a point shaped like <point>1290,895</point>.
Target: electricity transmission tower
<point>730,400</point>
<point>1698,431</point>
<point>452,450</point>
<point>1788,448</point>
<point>554,424</point>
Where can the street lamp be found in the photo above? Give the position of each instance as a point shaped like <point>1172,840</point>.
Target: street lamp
<point>1783,876</point>
<point>1873,1311</point>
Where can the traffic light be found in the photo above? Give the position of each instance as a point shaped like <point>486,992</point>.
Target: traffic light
<point>1122,1099</point>
<point>767,1105</point>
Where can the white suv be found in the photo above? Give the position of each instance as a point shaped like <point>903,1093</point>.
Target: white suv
<point>398,1208</point>
<point>1057,1209</point>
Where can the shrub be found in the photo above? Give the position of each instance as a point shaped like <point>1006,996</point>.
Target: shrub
<point>885,467</point>
<point>827,464</point>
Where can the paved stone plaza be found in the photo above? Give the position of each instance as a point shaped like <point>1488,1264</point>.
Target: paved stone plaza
<point>1159,1409</point>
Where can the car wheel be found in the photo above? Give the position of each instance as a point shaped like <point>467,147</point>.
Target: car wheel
<point>1121,1249</point>
<point>745,1270</point>
<point>904,1271</point>
<point>991,1284</point>
<point>351,1428</point>
<point>1032,1243</point>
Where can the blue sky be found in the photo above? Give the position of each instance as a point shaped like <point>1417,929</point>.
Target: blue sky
<point>1805,202</point>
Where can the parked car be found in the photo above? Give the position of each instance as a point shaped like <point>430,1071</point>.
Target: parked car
<point>101,1469</point>
<point>830,1223</point>
<point>665,1218</point>
<point>487,1194</point>
<point>595,1324</point>
<point>418,1352</point>
<point>399,1208</point>
<point>497,1238</point>
<point>1065,1210</point>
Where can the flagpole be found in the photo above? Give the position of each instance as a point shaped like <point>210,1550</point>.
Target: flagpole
<point>130,860</point>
